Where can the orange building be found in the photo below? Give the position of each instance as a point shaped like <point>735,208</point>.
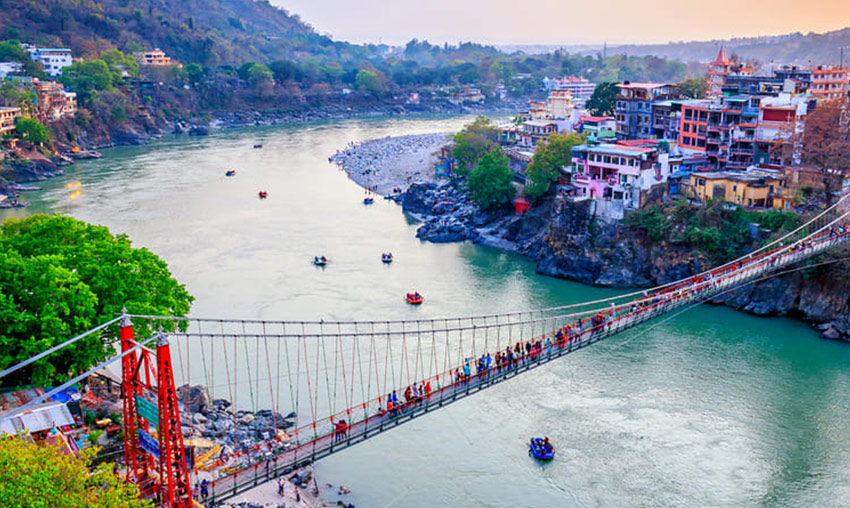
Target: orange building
<point>829,82</point>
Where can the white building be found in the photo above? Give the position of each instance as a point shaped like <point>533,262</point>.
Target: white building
<point>580,88</point>
<point>7,68</point>
<point>52,59</point>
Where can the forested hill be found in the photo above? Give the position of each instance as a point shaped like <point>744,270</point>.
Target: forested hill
<point>794,48</point>
<point>208,32</point>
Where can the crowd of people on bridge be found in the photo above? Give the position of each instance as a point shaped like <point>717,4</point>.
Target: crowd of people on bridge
<point>584,330</point>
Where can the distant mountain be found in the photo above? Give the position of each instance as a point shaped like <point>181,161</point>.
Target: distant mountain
<point>209,32</point>
<point>794,48</point>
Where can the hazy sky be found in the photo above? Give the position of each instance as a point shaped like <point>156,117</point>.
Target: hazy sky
<point>565,21</point>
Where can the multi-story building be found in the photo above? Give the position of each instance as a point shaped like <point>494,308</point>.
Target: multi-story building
<point>559,104</point>
<point>717,72</point>
<point>599,128</point>
<point>52,101</point>
<point>634,108</point>
<point>7,119</point>
<point>154,57</point>
<point>533,131</point>
<point>747,189</point>
<point>723,128</point>
<point>666,117</point>
<point>53,60</point>
<point>801,77</point>
<point>580,89</point>
<point>7,68</point>
<point>829,82</point>
<point>619,175</point>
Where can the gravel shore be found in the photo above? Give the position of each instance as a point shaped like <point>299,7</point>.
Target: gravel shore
<point>389,165</point>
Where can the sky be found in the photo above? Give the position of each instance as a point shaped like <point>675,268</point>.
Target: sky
<point>565,21</point>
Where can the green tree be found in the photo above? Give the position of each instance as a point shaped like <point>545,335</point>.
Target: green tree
<point>692,88</point>
<point>118,62</point>
<point>194,72</point>
<point>471,143</point>
<point>86,78</point>
<point>547,161</point>
<point>603,102</point>
<point>490,183</point>
<point>32,130</point>
<point>59,277</point>
<point>260,74</point>
<point>17,96</point>
<point>368,80</point>
<point>469,148</point>
<point>35,476</point>
<point>11,51</point>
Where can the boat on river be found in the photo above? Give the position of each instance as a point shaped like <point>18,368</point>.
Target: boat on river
<point>414,298</point>
<point>541,449</point>
<point>368,200</point>
<point>263,194</point>
<point>230,172</point>
<point>387,257</point>
<point>320,260</point>
<point>258,145</point>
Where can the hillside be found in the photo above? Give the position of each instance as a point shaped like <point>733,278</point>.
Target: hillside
<point>208,32</point>
<point>795,48</point>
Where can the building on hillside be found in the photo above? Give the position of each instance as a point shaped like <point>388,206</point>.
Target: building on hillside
<point>154,57</point>
<point>829,82</point>
<point>756,85</point>
<point>533,131</point>
<point>8,116</point>
<point>7,68</point>
<point>620,177</point>
<point>748,189</point>
<point>580,89</point>
<point>537,110</point>
<point>53,60</point>
<point>467,94</point>
<point>722,128</point>
<point>501,91</point>
<point>599,128</point>
<point>717,72</point>
<point>801,77</point>
<point>53,102</point>
<point>559,104</point>
<point>665,120</point>
<point>634,108</point>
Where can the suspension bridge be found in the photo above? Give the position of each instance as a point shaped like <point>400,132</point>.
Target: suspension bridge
<point>347,381</point>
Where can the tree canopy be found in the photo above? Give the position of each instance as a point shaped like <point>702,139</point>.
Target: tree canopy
<point>471,143</point>
<point>32,130</point>
<point>368,80</point>
<point>87,77</point>
<point>490,183</point>
<point>826,142</point>
<point>547,161</point>
<point>692,88</point>
<point>33,476</point>
<point>603,102</point>
<point>59,277</point>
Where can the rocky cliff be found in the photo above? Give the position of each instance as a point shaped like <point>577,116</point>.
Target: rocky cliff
<point>567,241</point>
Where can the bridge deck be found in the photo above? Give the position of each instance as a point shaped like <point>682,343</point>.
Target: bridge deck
<point>322,445</point>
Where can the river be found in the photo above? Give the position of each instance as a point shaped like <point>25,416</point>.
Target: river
<point>711,408</point>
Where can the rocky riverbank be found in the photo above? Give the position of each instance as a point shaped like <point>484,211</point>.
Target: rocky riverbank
<point>566,241</point>
<point>387,166</point>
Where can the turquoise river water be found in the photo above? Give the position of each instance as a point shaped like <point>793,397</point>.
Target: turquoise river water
<point>711,408</point>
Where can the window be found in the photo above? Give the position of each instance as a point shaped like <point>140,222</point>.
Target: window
<point>687,127</point>
<point>606,159</point>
